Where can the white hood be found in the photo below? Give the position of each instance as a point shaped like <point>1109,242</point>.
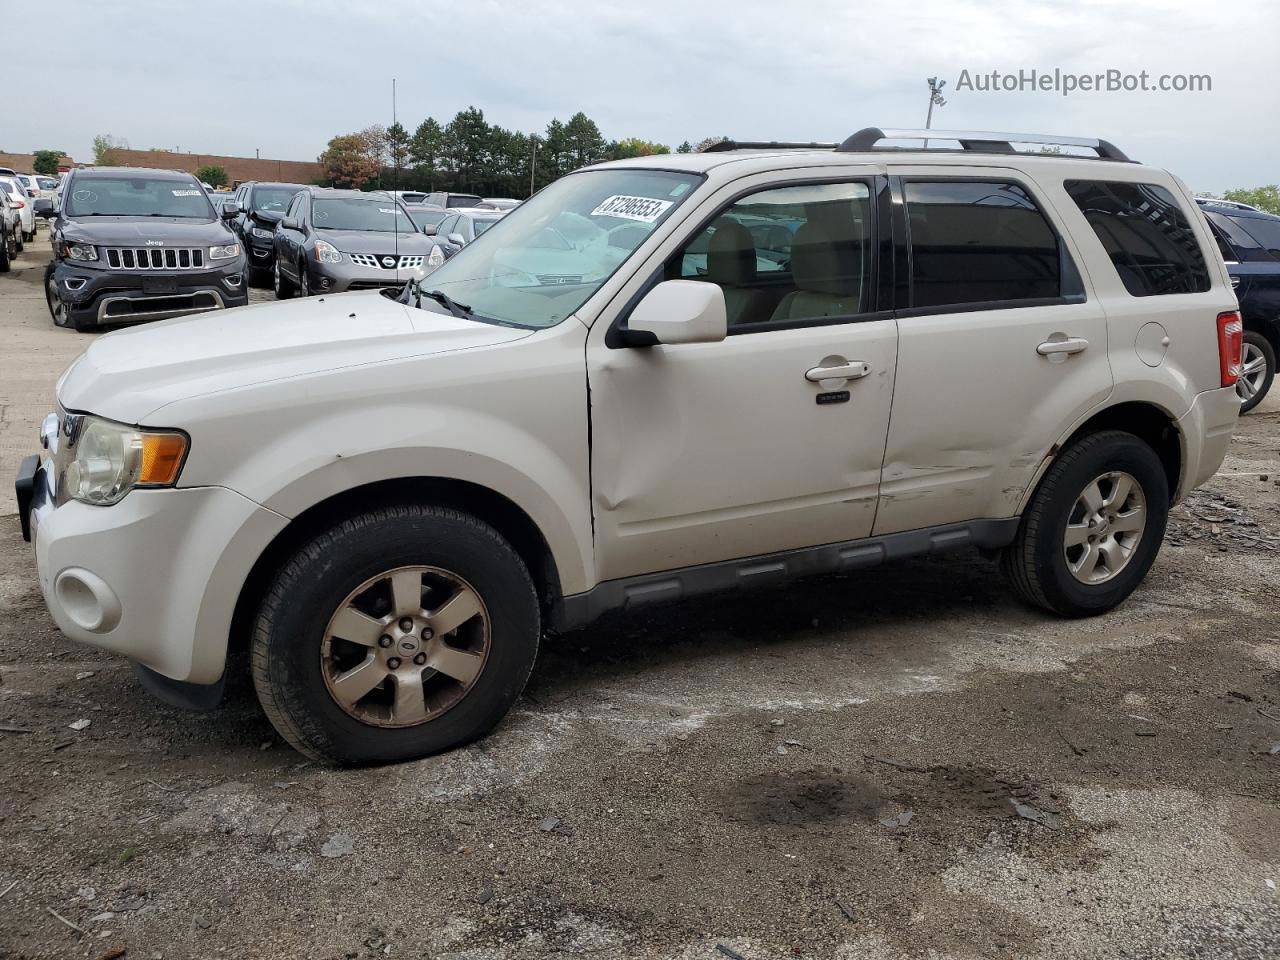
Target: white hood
<point>131,373</point>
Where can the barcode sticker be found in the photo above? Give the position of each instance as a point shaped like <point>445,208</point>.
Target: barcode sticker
<point>643,209</point>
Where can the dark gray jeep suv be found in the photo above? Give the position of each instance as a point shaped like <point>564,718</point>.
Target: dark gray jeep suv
<point>131,244</point>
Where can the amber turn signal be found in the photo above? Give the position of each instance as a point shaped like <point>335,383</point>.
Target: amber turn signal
<point>162,455</point>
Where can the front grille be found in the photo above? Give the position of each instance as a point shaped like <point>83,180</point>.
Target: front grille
<point>155,258</point>
<point>379,261</point>
<point>374,284</point>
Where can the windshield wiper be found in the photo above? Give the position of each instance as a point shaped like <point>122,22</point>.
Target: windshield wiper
<point>459,310</point>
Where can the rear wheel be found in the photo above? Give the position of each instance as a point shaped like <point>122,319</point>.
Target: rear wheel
<point>6,253</point>
<point>399,632</point>
<point>1258,370</point>
<point>1093,528</point>
<point>280,283</point>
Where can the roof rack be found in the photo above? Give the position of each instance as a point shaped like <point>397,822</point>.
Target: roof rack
<point>724,145</point>
<point>866,140</point>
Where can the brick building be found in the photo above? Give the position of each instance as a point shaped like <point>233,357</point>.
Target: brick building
<point>238,169</point>
<point>22,162</point>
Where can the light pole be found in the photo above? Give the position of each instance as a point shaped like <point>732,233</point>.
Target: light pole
<point>533,165</point>
<point>935,99</point>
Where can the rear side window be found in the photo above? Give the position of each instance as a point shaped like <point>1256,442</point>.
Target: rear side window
<point>1145,233</point>
<point>979,242</point>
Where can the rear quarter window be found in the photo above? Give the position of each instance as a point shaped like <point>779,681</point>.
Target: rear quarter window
<point>1145,233</point>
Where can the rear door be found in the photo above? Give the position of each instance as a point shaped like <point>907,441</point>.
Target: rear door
<point>1001,344</point>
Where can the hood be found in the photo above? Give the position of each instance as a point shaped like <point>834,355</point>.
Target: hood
<point>268,218</point>
<point>130,374</point>
<point>136,231</point>
<point>370,241</point>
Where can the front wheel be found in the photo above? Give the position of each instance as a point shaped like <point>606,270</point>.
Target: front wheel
<point>6,255</point>
<point>1093,528</point>
<point>280,283</point>
<point>399,632</point>
<point>1257,371</point>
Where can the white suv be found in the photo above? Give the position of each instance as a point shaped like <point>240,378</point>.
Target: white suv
<point>657,378</point>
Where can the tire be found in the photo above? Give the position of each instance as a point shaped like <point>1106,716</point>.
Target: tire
<point>259,277</point>
<point>1039,562</point>
<point>57,309</point>
<point>19,240</point>
<point>6,257</point>
<point>280,283</point>
<point>1254,384</point>
<point>304,281</point>
<point>294,654</point>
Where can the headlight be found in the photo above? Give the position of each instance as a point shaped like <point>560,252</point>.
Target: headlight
<point>436,257</point>
<point>224,251</point>
<point>261,234</point>
<point>80,251</point>
<point>110,459</point>
<point>327,253</point>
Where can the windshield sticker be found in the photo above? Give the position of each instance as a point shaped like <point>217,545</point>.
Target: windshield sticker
<point>187,193</point>
<point>643,209</point>
<point>385,210</point>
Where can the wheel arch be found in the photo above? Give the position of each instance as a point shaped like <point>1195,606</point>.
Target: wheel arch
<point>500,512</point>
<point>1147,421</point>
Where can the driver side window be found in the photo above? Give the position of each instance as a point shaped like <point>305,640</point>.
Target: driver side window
<point>787,255</point>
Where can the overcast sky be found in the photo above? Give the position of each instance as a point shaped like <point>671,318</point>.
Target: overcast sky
<point>284,76</point>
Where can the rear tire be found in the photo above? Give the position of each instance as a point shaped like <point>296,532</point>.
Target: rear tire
<point>304,658</point>
<point>1259,370</point>
<point>6,255</point>
<point>280,283</point>
<point>1077,561</point>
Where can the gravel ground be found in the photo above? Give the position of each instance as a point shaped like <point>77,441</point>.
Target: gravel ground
<point>906,763</point>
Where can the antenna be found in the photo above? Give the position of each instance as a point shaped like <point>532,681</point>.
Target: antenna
<point>395,181</point>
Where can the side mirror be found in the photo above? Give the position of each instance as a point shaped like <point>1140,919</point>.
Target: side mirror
<point>456,240</point>
<point>678,311</point>
<point>291,223</point>
<point>430,229</point>
<point>230,210</point>
<point>44,208</point>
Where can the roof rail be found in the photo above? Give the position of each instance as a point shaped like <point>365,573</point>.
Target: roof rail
<point>866,140</point>
<point>724,145</point>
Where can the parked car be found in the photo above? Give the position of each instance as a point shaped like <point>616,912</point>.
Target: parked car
<point>460,227</point>
<point>384,498</point>
<point>38,185</point>
<point>8,235</point>
<point>425,215</point>
<point>23,205</point>
<point>133,244</point>
<point>408,197</point>
<point>440,199</point>
<point>1249,241</point>
<point>259,208</point>
<point>499,203</point>
<point>330,241</point>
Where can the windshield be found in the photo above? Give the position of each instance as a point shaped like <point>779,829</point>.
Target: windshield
<point>47,183</point>
<point>541,262</point>
<point>125,196</point>
<point>272,199</point>
<point>462,200</point>
<point>482,225</point>
<point>427,215</point>
<point>377,215</point>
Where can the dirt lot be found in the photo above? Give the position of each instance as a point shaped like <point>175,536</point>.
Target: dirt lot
<point>903,764</point>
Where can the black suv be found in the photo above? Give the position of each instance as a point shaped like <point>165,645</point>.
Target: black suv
<point>1249,240</point>
<point>131,244</point>
<point>261,208</point>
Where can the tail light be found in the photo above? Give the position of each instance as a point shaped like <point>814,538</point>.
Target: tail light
<point>1230,346</point>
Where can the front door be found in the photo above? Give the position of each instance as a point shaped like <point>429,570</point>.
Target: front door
<point>772,439</point>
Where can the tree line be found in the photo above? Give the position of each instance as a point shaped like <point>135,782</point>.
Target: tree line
<point>471,155</point>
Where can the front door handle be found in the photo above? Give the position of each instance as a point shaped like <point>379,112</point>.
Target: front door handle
<point>1067,345</point>
<point>855,370</point>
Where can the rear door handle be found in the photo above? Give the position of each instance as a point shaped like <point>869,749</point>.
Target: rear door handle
<point>1069,345</point>
<point>854,370</point>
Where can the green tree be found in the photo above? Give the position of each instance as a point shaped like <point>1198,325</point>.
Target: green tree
<point>584,141</point>
<point>46,162</point>
<point>466,149</point>
<point>398,146</point>
<point>104,145</point>
<point>1264,198</point>
<point>685,147</point>
<point>634,147</point>
<point>708,142</point>
<point>213,175</point>
<point>424,151</point>
<point>347,161</point>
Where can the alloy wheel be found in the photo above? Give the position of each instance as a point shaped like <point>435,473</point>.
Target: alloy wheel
<point>57,308</point>
<point>1253,372</point>
<point>1105,527</point>
<point>304,282</point>
<point>405,646</point>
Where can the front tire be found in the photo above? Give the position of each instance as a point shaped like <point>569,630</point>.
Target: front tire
<point>6,255</point>
<point>1093,527</point>
<point>1258,371</point>
<point>345,659</point>
<point>280,283</point>
<point>304,281</point>
<point>58,310</point>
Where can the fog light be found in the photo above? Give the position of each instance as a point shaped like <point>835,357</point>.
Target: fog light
<point>74,283</point>
<point>233,281</point>
<point>87,600</point>
<point>324,283</point>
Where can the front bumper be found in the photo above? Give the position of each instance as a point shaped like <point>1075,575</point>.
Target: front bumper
<point>1206,430</point>
<point>155,577</point>
<point>344,276</point>
<point>99,295</point>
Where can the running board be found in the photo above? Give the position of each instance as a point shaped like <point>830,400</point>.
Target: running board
<point>629,593</point>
